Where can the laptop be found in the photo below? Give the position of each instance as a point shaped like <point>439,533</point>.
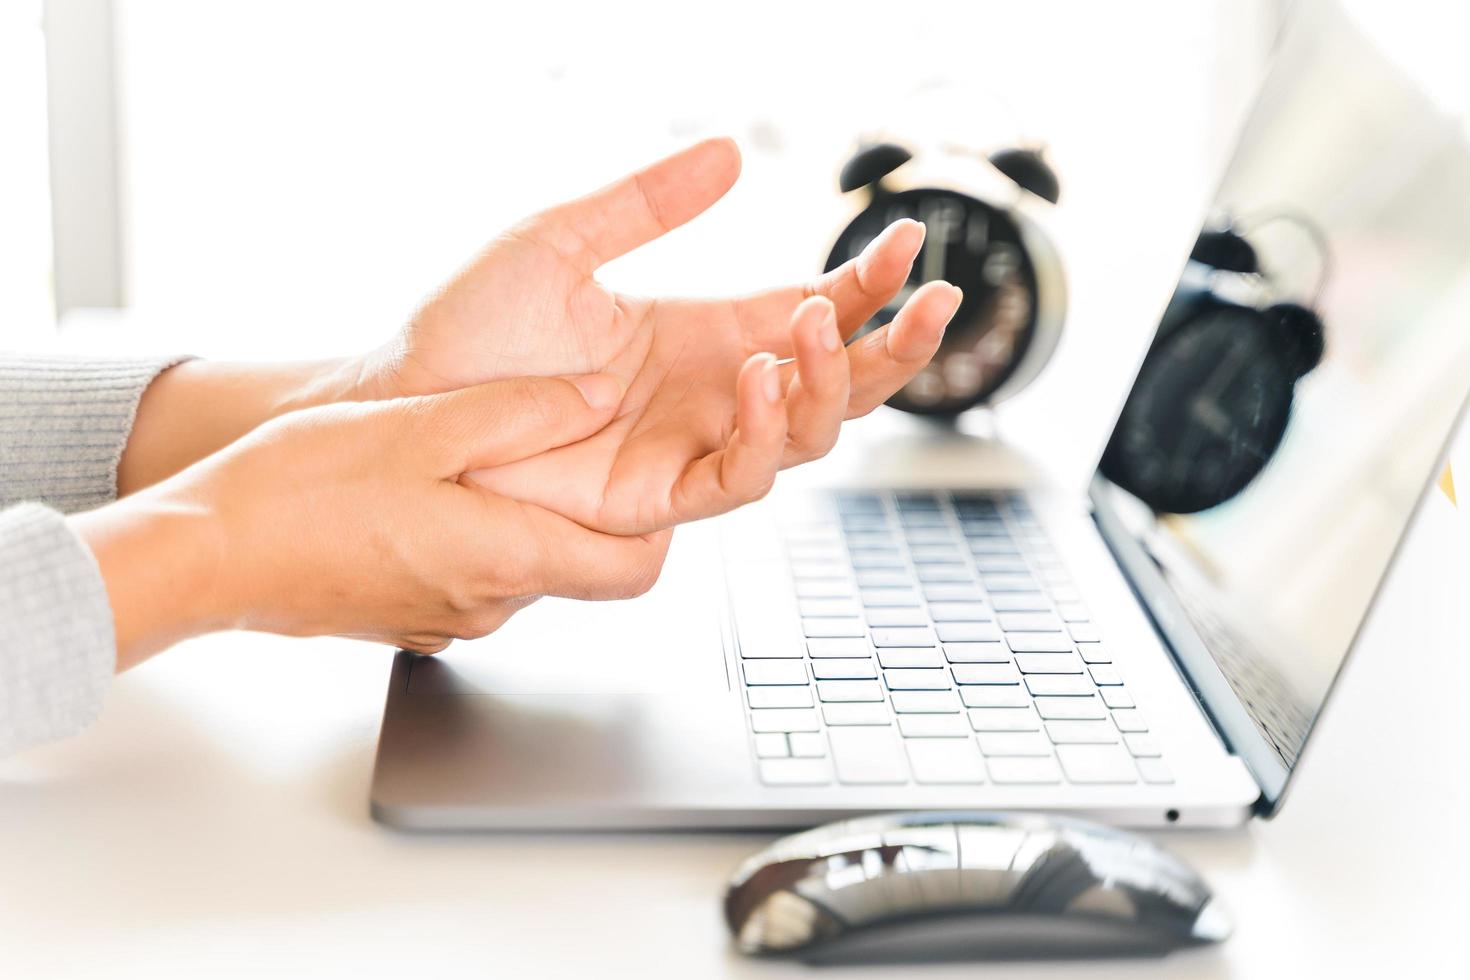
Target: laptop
<point>1152,652</point>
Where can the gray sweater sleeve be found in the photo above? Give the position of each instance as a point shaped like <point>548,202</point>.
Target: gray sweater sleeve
<point>63,426</point>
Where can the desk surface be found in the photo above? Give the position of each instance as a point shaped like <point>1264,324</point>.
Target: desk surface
<point>215,822</point>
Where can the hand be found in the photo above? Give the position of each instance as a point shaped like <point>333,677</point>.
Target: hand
<point>708,415</point>
<point>351,519</point>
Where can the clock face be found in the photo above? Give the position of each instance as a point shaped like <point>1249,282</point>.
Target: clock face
<point>1208,410</point>
<point>978,248</point>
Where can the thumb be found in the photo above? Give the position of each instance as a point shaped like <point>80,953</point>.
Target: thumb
<point>503,421</point>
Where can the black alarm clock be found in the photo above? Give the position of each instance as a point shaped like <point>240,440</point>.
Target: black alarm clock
<point>1211,403</point>
<point>982,235</point>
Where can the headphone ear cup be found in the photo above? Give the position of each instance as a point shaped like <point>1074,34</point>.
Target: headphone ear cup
<point>1028,171</point>
<point>1300,333</point>
<point>872,163</point>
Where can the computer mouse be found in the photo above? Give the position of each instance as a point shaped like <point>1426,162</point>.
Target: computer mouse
<point>952,886</point>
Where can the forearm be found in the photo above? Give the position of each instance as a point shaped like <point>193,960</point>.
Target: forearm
<point>197,408</point>
<point>160,563</point>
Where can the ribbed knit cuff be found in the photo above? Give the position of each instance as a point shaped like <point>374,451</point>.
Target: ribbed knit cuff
<point>64,423</point>
<point>57,645</point>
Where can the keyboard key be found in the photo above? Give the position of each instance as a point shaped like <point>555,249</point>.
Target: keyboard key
<point>923,702</point>
<point>983,545</point>
<point>1142,745</point>
<point>1072,612</point>
<point>1154,771</point>
<point>771,745</point>
<point>826,608</point>
<point>933,726</point>
<point>1129,720</point>
<point>883,578</point>
<point>1053,709</point>
<point>879,598</point>
<point>977,653</point>
<point>774,672</point>
<point>1013,743</point>
<point>910,657</point>
<point>928,535</point>
<point>1081,732</point>
<point>892,560</point>
<point>917,680</point>
<point>986,674</point>
<point>868,756</point>
<point>857,713</point>
<point>1085,632</point>
<point>1094,653</point>
<point>990,696</point>
<point>945,761</point>
<point>925,554</point>
<point>1020,602</point>
<point>867,540</point>
<point>785,720</point>
<point>944,573</point>
<point>807,568</point>
<point>1097,764</point>
<point>1105,676</point>
<point>1021,770</point>
<point>1040,642</point>
<point>967,632</point>
<point>831,628</point>
<point>903,636</point>
<point>1008,582</point>
<point>993,564</point>
<point>1117,697</point>
<point>1059,685</point>
<point>849,647</point>
<point>959,612</point>
<point>850,691</point>
<point>1049,663</point>
<point>807,745</point>
<point>897,617</point>
<point>779,697</point>
<point>823,589</point>
<point>953,592</point>
<point>1064,593</point>
<point>1004,720</point>
<point>1028,622</point>
<point>843,668</point>
<point>795,772</point>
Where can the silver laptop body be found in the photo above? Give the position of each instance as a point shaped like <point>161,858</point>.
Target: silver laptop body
<point>891,644</point>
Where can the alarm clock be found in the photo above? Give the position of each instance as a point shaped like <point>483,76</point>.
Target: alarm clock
<point>983,234</point>
<point>1211,402</point>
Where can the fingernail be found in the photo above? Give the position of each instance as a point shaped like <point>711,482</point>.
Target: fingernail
<point>771,380</point>
<point>827,332</point>
<point>601,391</point>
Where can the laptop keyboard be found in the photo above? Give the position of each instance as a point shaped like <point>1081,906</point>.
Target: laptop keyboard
<point>945,643</point>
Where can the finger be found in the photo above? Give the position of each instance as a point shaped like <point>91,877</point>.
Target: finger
<point>816,401</point>
<point>859,288</point>
<point>885,360</point>
<point>503,421</point>
<point>640,207</point>
<point>746,467</point>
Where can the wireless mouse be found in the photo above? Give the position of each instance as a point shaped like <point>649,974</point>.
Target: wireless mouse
<point>948,886</point>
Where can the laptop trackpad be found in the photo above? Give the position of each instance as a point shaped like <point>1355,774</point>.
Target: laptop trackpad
<point>666,641</point>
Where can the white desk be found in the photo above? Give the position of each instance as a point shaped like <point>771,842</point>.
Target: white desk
<point>215,823</point>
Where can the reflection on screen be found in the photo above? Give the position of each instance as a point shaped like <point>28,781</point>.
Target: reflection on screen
<point>1307,374</point>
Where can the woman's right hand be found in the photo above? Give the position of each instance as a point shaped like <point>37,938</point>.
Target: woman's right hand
<point>351,519</point>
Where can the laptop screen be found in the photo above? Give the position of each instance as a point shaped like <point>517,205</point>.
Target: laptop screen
<point>1303,383</point>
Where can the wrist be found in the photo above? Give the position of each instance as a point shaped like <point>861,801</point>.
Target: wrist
<point>160,561</point>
